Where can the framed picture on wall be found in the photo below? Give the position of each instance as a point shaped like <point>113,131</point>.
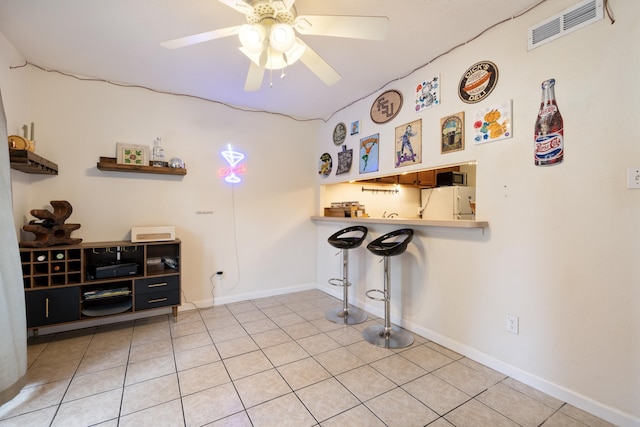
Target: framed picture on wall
<point>127,154</point>
<point>345,158</point>
<point>492,123</point>
<point>355,127</point>
<point>427,93</point>
<point>408,145</point>
<point>452,133</point>
<point>369,152</point>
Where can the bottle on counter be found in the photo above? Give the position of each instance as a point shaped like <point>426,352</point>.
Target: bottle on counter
<point>549,129</point>
<point>158,153</point>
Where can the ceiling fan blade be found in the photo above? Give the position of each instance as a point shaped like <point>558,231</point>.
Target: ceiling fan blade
<point>319,66</point>
<point>239,5</point>
<point>256,73</point>
<point>355,27</point>
<point>201,37</point>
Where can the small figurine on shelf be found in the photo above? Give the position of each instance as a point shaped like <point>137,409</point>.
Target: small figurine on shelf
<point>51,230</point>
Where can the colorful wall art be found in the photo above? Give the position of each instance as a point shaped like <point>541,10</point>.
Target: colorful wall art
<point>345,159</point>
<point>427,94</point>
<point>408,144</point>
<point>452,133</point>
<point>492,123</point>
<point>369,153</point>
<point>325,165</point>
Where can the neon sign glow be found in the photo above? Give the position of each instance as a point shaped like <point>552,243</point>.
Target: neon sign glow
<point>230,173</point>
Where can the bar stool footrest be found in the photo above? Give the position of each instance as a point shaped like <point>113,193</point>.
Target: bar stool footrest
<point>338,282</point>
<point>379,291</point>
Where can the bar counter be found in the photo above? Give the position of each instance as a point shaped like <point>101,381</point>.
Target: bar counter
<point>454,223</point>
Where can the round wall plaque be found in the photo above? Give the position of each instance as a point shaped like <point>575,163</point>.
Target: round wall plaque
<point>325,165</point>
<point>339,133</point>
<point>478,82</point>
<point>386,106</point>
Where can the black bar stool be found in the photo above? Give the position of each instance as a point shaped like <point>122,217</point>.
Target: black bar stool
<point>391,244</point>
<point>340,240</point>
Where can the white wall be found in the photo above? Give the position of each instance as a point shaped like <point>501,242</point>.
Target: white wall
<point>562,247</point>
<point>252,226</point>
<point>14,95</point>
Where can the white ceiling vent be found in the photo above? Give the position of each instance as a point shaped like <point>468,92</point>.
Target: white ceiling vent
<point>571,19</point>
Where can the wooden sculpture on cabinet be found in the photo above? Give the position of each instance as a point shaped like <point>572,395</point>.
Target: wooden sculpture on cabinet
<point>51,230</point>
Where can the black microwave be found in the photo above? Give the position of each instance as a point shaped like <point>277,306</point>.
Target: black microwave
<point>444,179</point>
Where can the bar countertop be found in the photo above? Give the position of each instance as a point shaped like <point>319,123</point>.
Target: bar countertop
<point>458,223</point>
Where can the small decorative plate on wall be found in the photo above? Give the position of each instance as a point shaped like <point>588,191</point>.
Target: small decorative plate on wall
<point>386,106</point>
<point>339,133</point>
<point>478,82</point>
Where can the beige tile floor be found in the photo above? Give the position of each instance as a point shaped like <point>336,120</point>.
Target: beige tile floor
<point>267,362</point>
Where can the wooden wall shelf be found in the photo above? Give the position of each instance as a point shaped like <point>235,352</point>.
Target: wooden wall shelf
<point>30,162</point>
<point>109,164</point>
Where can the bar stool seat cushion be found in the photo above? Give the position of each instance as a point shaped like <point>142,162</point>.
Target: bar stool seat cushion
<point>387,245</point>
<point>338,241</point>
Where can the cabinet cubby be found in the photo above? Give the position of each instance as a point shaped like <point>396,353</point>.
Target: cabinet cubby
<point>72,283</point>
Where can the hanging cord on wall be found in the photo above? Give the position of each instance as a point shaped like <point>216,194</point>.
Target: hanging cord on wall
<point>325,120</point>
<point>213,276</point>
<point>235,234</point>
<point>606,8</point>
<point>186,301</point>
<point>162,92</point>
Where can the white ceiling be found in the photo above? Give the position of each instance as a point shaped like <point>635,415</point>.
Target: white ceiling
<point>119,41</point>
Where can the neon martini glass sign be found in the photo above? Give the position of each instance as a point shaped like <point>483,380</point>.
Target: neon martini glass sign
<point>230,173</point>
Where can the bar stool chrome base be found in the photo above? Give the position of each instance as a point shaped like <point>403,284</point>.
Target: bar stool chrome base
<point>387,335</point>
<point>392,338</point>
<point>350,316</point>
<point>346,315</point>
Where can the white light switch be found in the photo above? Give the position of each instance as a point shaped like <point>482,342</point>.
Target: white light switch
<point>633,177</point>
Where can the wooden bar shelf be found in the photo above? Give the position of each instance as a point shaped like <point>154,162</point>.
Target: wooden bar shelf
<point>110,164</point>
<point>74,283</point>
<point>29,162</point>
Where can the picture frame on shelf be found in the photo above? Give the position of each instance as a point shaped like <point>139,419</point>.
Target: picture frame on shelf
<point>130,154</point>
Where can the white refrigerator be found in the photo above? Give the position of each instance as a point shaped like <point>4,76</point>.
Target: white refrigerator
<point>447,202</point>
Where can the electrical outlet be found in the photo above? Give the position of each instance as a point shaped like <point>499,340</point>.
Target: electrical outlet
<point>512,324</point>
<point>633,177</point>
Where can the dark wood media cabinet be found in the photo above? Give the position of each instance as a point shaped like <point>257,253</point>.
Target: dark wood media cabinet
<point>75,283</point>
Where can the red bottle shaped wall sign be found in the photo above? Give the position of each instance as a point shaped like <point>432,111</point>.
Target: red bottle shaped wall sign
<point>549,131</point>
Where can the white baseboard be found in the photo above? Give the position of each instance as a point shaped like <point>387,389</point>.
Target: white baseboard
<point>216,300</point>
<point>612,415</point>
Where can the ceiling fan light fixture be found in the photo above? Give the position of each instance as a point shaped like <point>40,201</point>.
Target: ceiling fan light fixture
<point>282,37</point>
<point>296,51</point>
<point>252,37</point>
<point>275,60</point>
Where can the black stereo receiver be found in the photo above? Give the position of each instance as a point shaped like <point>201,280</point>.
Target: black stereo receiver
<point>112,269</point>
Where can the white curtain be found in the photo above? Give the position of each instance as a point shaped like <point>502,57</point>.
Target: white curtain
<point>13,325</point>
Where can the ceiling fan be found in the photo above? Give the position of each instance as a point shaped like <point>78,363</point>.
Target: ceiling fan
<point>269,38</point>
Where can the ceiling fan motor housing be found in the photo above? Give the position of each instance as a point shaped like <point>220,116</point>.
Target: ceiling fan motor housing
<point>263,9</point>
